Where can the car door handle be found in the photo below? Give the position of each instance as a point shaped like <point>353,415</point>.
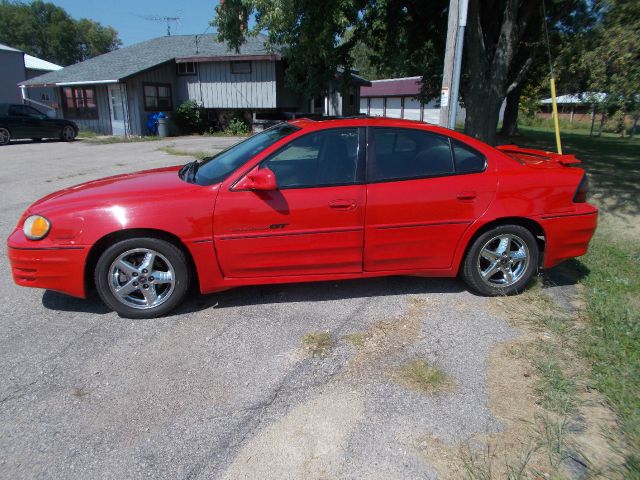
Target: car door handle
<point>467,195</point>
<point>342,204</point>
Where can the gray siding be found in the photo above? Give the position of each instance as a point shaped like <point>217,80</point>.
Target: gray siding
<point>215,86</point>
<point>135,95</point>
<point>12,68</point>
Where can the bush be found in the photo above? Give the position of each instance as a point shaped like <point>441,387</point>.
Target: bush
<point>190,118</point>
<point>237,126</point>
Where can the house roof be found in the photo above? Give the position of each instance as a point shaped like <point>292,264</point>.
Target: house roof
<point>578,98</point>
<point>390,87</point>
<point>8,48</point>
<point>35,63</point>
<point>123,63</point>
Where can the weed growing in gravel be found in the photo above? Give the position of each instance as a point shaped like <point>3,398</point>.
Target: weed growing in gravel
<point>479,465</point>
<point>94,139</point>
<point>318,344</point>
<point>200,155</point>
<point>425,377</point>
<point>356,339</point>
<point>79,393</point>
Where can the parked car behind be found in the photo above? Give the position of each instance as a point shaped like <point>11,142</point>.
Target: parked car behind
<point>19,121</point>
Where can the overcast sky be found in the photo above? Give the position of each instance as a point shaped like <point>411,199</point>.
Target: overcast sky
<point>123,16</point>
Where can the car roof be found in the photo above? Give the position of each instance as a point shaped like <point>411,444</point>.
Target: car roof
<point>365,121</point>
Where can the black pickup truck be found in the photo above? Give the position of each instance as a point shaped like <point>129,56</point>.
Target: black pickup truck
<point>22,121</point>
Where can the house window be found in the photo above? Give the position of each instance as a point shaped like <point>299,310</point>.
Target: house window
<point>157,96</point>
<point>80,103</point>
<point>240,67</point>
<point>186,68</point>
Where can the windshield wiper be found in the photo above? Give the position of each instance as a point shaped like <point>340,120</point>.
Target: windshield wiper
<point>188,171</point>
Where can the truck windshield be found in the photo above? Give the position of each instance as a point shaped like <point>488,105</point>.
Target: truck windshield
<point>215,169</point>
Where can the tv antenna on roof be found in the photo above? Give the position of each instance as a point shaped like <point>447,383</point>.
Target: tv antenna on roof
<point>162,19</point>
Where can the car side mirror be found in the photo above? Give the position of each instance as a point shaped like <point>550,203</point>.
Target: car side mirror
<point>259,179</point>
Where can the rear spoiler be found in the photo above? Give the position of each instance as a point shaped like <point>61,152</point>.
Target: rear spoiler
<point>541,154</point>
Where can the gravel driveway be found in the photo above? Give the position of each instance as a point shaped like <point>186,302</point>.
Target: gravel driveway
<point>224,388</point>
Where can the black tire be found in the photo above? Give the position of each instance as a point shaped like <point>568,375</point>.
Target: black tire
<point>68,133</point>
<point>5,136</point>
<point>476,261</point>
<point>167,254</point>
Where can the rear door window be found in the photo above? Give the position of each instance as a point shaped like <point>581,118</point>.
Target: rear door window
<point>402,153</point>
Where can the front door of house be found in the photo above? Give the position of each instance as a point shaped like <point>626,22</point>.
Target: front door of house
<point>117,107</point>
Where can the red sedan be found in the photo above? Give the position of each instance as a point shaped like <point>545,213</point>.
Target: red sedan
<point>310,200</point>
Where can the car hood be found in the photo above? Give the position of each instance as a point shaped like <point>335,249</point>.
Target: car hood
<point>134,188</point>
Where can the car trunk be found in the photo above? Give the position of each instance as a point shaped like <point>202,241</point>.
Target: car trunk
<point>538,158</point>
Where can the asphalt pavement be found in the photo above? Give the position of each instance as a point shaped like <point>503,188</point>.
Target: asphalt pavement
<point>224,387</point>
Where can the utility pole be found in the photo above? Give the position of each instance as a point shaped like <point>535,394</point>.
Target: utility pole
<point>453,62</point>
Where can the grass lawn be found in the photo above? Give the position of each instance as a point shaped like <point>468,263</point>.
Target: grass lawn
<point>610,275</point>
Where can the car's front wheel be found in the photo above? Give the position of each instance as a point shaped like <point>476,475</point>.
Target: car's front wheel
<point>501,261</point>
<point>68,134</point>
<point>142,277</point>
<point>5,136</point>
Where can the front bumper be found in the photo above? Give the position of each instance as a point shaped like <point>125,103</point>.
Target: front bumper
<point>60,268</point>
<point>568,235</point>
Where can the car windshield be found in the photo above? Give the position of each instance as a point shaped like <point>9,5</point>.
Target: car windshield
<point>215,169</point>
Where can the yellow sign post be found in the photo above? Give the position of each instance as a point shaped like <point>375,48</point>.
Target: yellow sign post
<point>555,114</point>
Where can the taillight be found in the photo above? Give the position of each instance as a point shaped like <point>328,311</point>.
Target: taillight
<point>583,190</point>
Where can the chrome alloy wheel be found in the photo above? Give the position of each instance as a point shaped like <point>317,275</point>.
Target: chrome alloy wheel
<point>141,278</point>
<point>503,260</point>
<point>68,133</point>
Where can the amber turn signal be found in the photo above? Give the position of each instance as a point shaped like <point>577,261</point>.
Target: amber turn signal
<point>36,227</point>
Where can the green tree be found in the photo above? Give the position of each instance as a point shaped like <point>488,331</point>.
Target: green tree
<point>48,32</point>
<point>571,26</point>
<point>404,38</point>
<point>613,66</point>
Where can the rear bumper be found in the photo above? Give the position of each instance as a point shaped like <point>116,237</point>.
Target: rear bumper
<point>568,235</point>
<point>59,268</point>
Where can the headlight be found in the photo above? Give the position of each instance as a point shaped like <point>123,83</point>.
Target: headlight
<point>36,227</point>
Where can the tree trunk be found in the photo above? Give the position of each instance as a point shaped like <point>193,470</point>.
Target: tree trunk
<point>632,132</point>
<point>510,119</point>
<point>593,120</point>
<point>488,67</point>
<point>483,110</point>
<point>601,123</point>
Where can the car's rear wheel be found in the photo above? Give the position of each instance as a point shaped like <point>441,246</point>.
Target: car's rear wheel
<point>142,277</point>
<point>501,261</point>
<point>68,133</point>
<point>5,136</point>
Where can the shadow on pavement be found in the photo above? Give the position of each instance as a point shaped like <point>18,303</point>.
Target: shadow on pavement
<point>64,303</point>
<point>566,274</point>
<point>284,293</point>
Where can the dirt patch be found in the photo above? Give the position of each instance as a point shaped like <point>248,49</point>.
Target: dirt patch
<point>309,441</point>
<point>536,442</point>
<point>306,443</point>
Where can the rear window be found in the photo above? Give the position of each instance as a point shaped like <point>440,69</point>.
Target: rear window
<point>467,160</point>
